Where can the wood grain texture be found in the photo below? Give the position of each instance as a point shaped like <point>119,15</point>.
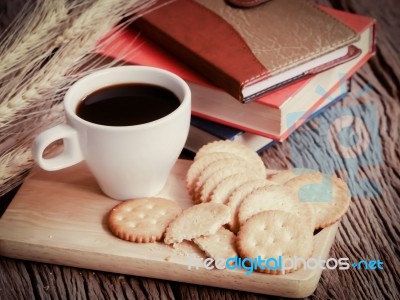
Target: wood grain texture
<point>370,229</point>
<point>61,217</point>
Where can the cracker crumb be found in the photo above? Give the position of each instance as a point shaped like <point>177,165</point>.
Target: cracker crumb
<point>178,249</point>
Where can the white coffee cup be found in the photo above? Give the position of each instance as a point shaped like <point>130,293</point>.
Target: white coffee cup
<point>127,161</point>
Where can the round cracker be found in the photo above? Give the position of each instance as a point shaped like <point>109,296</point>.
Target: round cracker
<point>237,196</point>
<point>275,197</point>
<point>328,195</point>
<point>216,178</point>
<point>273,234</point>
<point>235,148</point>
<point>196,221</point>
<point>283,176</point>
<point>199,165</point>
<point>142,220</point>
<point>211,169</point>
<point>222,191</point>
<point>270,172</point>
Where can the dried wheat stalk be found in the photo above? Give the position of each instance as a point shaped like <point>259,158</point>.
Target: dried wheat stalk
<point>43,26</point>
<point>38,63</point>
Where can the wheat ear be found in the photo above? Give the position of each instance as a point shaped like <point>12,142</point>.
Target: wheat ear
<point>43,28</point>
<point>86,30</point>
<point>34,103</point>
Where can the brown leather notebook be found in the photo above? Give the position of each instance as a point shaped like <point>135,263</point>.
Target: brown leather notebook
<point>250,51</point>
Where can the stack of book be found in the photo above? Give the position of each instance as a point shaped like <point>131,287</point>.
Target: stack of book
<point>256,74</point>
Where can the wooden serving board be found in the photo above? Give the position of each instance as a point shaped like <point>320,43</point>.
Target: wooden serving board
<point>60,218</point>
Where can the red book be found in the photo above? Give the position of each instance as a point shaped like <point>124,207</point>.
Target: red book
<point>266,116</point>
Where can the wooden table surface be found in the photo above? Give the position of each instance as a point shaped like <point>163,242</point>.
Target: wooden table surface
<point>370,230</point>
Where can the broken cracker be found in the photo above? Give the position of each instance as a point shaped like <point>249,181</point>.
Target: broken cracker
<point>196,221</point>
<point>220,245</point>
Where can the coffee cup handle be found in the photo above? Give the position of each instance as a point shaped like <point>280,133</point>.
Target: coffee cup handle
<point>70,155</point>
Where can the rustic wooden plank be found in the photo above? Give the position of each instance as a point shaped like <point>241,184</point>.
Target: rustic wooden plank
<point>60,282</point>
<point>15,281</point>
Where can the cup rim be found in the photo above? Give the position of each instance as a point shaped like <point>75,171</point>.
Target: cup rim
<point>70,110</point>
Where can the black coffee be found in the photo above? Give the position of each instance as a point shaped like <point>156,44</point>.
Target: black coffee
<point>127,104</point>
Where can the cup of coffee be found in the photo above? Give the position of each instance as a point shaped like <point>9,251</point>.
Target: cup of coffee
<point>129,124</point>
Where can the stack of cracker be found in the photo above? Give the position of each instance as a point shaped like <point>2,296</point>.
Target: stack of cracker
<point>240,208</point>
